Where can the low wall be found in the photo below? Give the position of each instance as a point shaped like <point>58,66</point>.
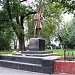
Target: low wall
<point>64,67</point>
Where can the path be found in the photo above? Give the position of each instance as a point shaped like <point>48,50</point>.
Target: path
<point>8,71</point>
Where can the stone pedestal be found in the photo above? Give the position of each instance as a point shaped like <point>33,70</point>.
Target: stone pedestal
<point>37,44</point>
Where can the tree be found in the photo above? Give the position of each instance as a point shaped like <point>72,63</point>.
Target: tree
<point>69,5</point>
<point>6,31</point>
<point>6,35</point>
<point>67,37</point>
<point>16,12</point>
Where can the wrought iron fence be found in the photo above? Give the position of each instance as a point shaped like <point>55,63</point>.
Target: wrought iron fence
<point>69,54</point>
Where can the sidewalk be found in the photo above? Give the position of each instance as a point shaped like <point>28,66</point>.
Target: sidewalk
<point>8,71</point>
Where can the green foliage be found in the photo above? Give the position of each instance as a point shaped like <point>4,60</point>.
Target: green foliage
<point>51,9</point>
<point>13,12</point>
<point>5,36</point>
<point>67,35</point>
<point>30,32</point>
<point>52,17</point>
<point>69,5</point>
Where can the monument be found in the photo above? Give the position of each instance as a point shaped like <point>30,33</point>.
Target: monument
<point>37,43</point>
<point>38,17</point>
<point>36,59</point>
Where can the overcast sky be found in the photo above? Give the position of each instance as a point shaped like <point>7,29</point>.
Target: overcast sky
<point>28,2</point>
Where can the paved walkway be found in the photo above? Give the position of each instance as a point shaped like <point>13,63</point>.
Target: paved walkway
<point>8,71</point>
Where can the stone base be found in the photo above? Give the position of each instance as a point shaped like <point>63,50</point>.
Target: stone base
<point>37,44</point>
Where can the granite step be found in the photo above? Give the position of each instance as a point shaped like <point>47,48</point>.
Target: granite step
<point>25,59</point>
<point>27,66</point>
<point>40,55</point>
<point>29,63</point>
<point>36,52</point>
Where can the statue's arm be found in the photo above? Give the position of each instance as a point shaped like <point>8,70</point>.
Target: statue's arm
<point>35,17</point>
<point>41,16</point>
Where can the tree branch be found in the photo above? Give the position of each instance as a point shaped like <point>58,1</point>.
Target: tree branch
<point>9,11</point>
<point>29,13</point>
<point>23,1</point>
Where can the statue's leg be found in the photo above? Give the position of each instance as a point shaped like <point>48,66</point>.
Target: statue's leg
<point>39,32</point>
<point>34,32</point>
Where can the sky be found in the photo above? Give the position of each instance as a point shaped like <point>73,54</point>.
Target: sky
<point>67,17</point>
<point>0,7</point>
<point>28,2</point>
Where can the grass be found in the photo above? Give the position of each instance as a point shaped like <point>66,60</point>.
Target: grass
<point>6,51</point>
<point>59,51</point>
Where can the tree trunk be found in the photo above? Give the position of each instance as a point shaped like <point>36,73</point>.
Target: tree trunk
<point>15,44</point>
<point>21,43</point>
<point>21,36</point>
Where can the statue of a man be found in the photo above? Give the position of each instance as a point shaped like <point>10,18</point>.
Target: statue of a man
<point>38,17</point>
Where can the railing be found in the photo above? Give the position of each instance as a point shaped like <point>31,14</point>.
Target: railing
<point>69,54</point>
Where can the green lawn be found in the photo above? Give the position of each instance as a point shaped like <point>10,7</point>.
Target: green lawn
<point>59,51</point>
<point>6,51</point>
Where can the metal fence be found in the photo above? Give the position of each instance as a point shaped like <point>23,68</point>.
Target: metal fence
<point>69,54</point>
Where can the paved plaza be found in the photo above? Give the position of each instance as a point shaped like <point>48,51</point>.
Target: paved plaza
<point>8,71</point>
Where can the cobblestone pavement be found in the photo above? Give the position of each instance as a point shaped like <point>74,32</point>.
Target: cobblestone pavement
<point>8,71</point>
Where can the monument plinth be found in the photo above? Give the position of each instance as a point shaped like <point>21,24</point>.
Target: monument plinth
<point>36,44</point>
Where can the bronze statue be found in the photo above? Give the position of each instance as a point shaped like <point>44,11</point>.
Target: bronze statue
<point>38,17</point>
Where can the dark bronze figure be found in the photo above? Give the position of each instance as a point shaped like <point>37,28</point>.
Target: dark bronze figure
<point>38,17</point>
